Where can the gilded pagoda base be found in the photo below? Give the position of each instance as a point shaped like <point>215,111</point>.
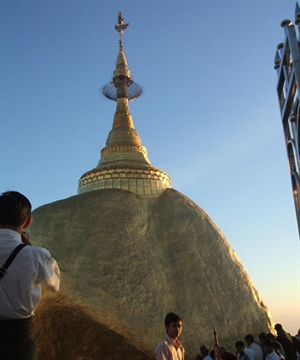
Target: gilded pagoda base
<point>143,181</point>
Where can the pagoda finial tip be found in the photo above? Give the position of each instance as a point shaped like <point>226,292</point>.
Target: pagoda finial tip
<point>120,27</point>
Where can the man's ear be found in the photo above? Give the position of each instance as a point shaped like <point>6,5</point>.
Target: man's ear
<point>27,222</point>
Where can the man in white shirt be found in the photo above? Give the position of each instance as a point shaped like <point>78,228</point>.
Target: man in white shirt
<point>259,354</point>
<point>243,352</point>
<point>271,337</point>
<point>269,350</point>
<point>171,348</point>
<point>20,290</point>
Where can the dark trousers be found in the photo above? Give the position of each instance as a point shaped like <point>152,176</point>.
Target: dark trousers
<point>17,340</point>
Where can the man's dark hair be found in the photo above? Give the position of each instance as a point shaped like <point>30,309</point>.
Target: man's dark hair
<point>15,209</point>
<point>263,336</point>
<point>270,336</point>
<point>204,349</point>
<point>239,343</point>
<point>249,337</point>
<point>172,317</point>
<point>278,327</point>
<point>269,343</point>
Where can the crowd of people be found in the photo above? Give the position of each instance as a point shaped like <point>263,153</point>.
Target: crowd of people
<point>283,346</point>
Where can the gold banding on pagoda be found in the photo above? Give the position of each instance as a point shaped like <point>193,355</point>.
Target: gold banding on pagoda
<point>124,162</point>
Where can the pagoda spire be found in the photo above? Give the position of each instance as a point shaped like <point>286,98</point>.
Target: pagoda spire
<point>122,89</point>
<point>124,162</point>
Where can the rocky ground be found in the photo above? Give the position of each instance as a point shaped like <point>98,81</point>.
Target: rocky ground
<point>66,331</point>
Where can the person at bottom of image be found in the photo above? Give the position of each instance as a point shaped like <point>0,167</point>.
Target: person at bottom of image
<point>170,348</point>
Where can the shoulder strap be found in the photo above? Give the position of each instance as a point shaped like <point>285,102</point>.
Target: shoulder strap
<point>10,259</point>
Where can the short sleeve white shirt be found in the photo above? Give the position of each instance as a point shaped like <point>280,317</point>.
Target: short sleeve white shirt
<point>168,349</point>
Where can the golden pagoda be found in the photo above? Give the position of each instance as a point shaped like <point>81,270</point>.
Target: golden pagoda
<point>124,163</point>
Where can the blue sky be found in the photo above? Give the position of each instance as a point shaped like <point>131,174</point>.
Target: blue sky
<point>208,116</point>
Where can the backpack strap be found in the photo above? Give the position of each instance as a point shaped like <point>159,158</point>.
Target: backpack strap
<point>10,259</point>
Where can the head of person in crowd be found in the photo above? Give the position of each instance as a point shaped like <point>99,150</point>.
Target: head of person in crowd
<point>239,345</point>
<point>222,350</point>
<point>204,349</point>
<point>173,325</point>
<point>262,337</point>
<point>249,339</point>
<point>270,336</point>
<point>278,327</point>
<point>225,354</point>
<point>268,346</point>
